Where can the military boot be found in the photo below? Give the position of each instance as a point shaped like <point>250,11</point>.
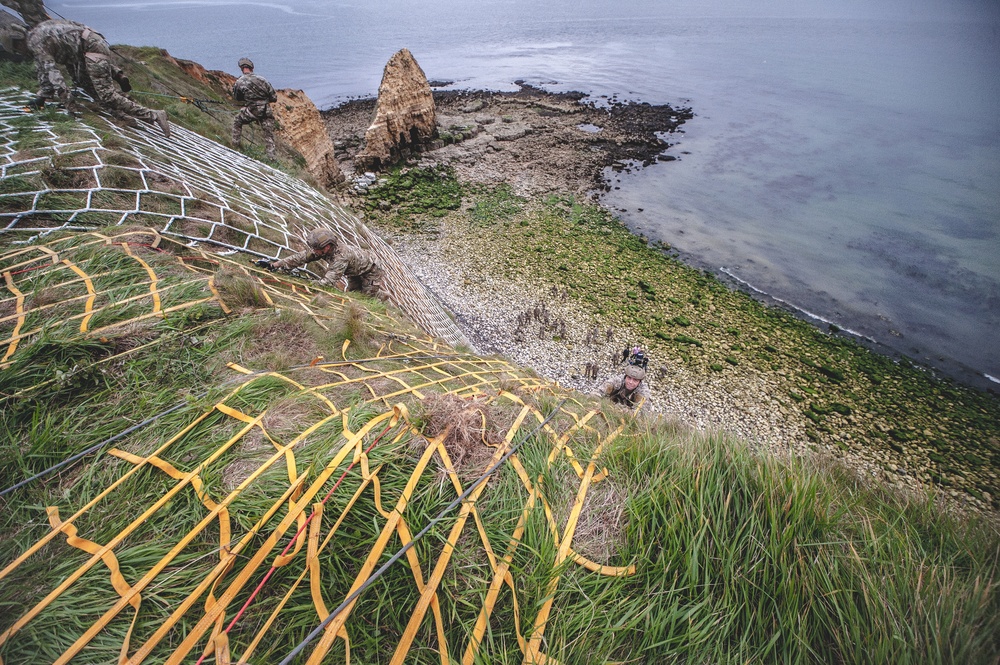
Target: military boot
<point>160,117</point>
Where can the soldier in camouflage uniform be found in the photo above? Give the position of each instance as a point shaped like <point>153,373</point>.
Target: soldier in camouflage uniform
<point>628,390</point>
<point>257,95</point>
<point>88,58</point>
<point>32,11</point>
<point>362,271</point>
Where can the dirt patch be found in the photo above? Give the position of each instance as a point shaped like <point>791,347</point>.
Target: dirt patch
<point>253,451</point>
<point>534,140</point>
<point>601,523</point>
<point>162,183</point>
<point>470,424</point>
<point>131,335</point>
<point>282,342</point>
<point>287,418</point>
<point>202,210</point>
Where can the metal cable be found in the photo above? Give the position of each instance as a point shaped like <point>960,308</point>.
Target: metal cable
<point>403,550</point>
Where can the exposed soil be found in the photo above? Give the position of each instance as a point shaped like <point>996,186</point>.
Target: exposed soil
<point>534,140</point>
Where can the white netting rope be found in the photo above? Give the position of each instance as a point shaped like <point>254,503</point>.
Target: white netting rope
<point>187,187</point>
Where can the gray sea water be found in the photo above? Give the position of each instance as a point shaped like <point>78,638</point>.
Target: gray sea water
<point>844,159</point>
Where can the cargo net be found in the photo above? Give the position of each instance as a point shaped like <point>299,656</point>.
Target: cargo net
<point>225,529</point>
<point>134,284</point>
<point>59,174</point>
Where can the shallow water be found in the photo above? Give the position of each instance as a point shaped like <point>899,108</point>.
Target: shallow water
<point>843,159</point>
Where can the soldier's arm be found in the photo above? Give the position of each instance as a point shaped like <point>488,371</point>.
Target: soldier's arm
<point>238,91</point>
<point>272,96</point>
<point>643,398</point>
<point>294,261</point>
<point>337,268</point>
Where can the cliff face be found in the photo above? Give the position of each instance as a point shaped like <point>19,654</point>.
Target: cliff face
<point>303,128</point>
<point>404,116</point>
<point>219,80</point>
<point>301,125</point>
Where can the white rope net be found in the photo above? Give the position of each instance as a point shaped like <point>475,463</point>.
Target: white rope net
<point>65,175</point>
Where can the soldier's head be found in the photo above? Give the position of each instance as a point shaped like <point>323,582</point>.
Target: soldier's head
<point>634,376</point>
<point>246,65</point>
<point>322,241</point>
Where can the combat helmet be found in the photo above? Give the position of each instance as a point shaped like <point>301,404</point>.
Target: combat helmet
<point>635,372</point>
<point>320,238</point>
<point>245,62</point>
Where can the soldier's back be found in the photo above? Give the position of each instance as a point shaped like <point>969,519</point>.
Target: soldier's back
<point>59,38</point>
<point>254,88</point>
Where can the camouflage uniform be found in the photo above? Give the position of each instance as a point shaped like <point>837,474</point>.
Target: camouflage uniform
<point>358,266</point>
<point>32,11</point>
<point>255,92</point>
<point>614,389</point>
<point>87,57</point>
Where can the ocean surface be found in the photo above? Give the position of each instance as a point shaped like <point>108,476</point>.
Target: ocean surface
<point>844,158</point>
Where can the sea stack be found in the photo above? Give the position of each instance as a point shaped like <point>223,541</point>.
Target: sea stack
<point>404,114</point>
<point>303,128</point>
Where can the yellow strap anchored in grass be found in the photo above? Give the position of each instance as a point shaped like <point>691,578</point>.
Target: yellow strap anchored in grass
<point>18,311</point>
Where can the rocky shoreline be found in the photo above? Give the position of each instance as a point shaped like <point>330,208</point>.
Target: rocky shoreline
<point>546,146</point>
<point>535,141</point>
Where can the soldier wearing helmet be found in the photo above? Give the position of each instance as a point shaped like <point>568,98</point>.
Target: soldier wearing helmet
<point>360,268</point>
<point>32,11</point>
<point>86,55</point>
<point>629,390</point>
<point>257,95</point>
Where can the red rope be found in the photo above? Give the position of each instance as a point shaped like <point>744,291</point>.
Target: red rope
<point>291,542</point>
<point>18,272</point>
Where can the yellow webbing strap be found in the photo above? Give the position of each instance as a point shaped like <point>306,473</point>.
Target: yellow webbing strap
<point>152,278</point>
<point>89,306</point>
<point>196,483</point>
<point>334,627</point>
<point>221,569</point>
<point>107,491</point>
<point>501,572</point>
<point>218,296</point>
<point>49,254</point>
<point>19,310</point>
<point>209,618</point>
<point>108,616</point>
<point>110,560</point>
<point>86,315</point>
<point>533,654</point>
<point>430,590</point>
<point>175,308</point>
<point>245,656</point>
<point>501,575</point>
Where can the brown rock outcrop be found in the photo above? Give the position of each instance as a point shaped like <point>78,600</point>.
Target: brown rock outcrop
<point>404,115</point>
<point>304,129</point>
<point>301,125</point>
<point>213,77</point>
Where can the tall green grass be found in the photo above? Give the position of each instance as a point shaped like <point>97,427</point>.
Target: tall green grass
<point>744,558</point>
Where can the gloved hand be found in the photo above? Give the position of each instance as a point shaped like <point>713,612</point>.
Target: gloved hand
<point>37,104</point>
<point>120,77</point>
<point>266,264</point>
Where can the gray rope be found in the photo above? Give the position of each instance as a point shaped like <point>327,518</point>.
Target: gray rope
<point>403,550</point>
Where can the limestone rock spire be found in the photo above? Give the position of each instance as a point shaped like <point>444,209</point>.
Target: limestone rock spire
<point>404,115</point>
